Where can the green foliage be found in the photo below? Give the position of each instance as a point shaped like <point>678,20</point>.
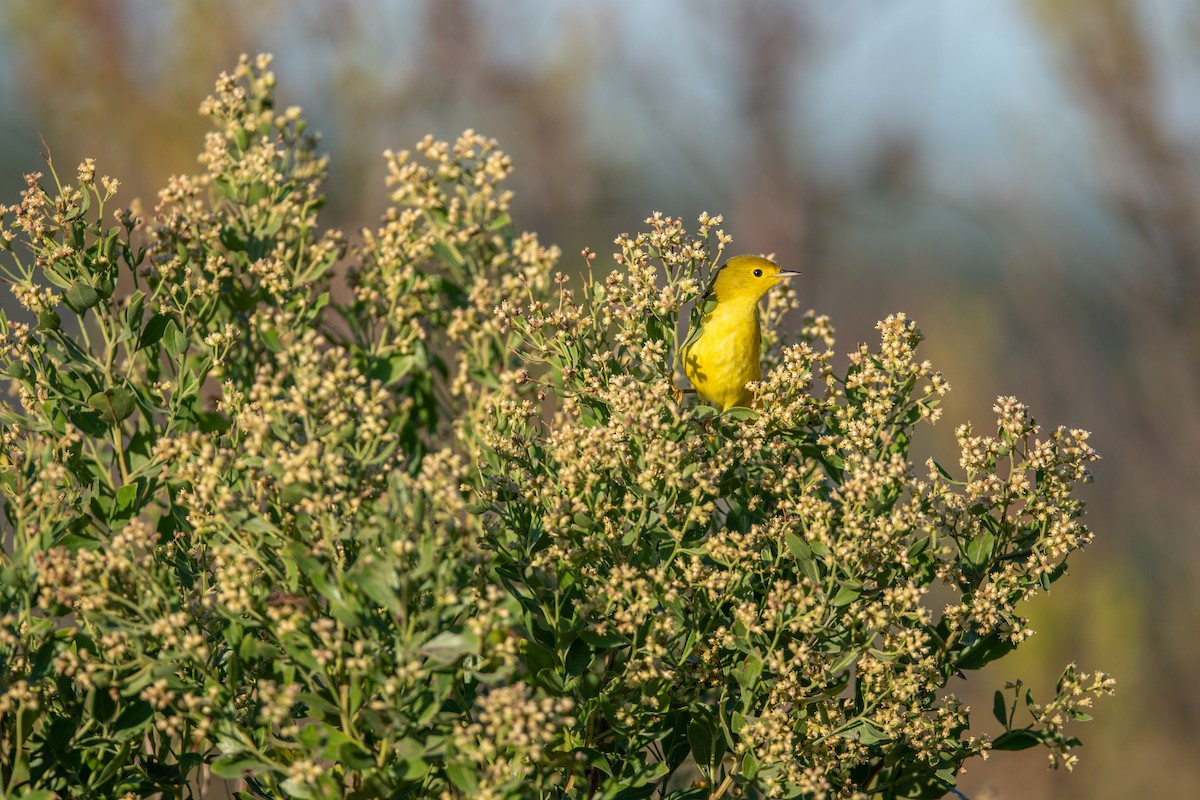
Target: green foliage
<point>451,530</point>
<point>761,578</point>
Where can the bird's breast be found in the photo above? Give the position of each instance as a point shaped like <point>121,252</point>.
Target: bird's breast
<point>725,356</point>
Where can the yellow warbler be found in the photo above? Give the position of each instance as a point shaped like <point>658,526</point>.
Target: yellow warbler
<point>722,351</point>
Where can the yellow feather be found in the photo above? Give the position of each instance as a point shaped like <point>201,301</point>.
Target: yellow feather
<point>724,353</point>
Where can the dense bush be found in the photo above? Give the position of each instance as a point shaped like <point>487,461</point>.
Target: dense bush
<point>420,516</point>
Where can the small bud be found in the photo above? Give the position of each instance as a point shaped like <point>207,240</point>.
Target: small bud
<point>87,171</point>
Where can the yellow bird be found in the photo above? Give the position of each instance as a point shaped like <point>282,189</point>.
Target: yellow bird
<point>722,351</point>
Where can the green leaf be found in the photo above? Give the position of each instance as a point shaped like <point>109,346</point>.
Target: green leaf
<point>640,778</point>
<point>393,369</point>
<point>236,766</point>
<point>59,280</point>
<point>448,253</point>
<point>270,339</point>
<point>804,556</point>
<point>124,506</point>
<point>350,754</point>
<point>450,647</point>
<point>77,383</point>
<point>749,765</point>
<point>579,658</point>
<point>49,320</point>
<point>413,755</point>
<point>132,719</point>
<point>833,461</point>
<point>702,735</point>
<point>377,579</point>
<point>81,296</point>
<point>88,421</point>
<point>749,671</point>
<point>1054,574</point>
<point>148,675</point>
<point>293,493</point>
<point>844,661</point>
<point>318,707</point>
<point>865,732</point>
<point>1016,740</point>
<point>113,405</point>
<point>846,595</point>
<point>979,551</point>
<point>254,649</point>
<point>211,422</point>
<point>918,547</point>
<point>942,471</point>
<point>333,744</point>
<point>189,761</point>
<point>174,338</point>
<point>1000,708</point>
<point>257,191</point>
<point>408,747</point>
<point>153,330</point>
<point>984,651</point>
<point>499,222</point>
<point>463,776</point>
<point>538,658</point>
<point>133,311</point>
<point>605,641</point>
<point>345,609</point>
<point>314,271</point>
<point>797,547</point>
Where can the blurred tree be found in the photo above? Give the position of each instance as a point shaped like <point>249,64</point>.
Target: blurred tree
<point>96,75</point>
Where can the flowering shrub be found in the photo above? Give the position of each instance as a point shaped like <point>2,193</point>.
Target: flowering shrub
<point>451,529</point>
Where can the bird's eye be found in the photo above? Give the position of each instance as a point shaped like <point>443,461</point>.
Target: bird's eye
<point>758,273</point>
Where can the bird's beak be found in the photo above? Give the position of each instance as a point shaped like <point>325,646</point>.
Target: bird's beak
<point>787,273</point>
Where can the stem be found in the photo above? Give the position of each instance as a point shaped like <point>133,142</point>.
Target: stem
<point>90,444</point>
<point>724,787</point>
<point>119,452</point>
<point>83,331</point>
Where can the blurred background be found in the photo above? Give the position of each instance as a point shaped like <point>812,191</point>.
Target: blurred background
<point>1019,176</point>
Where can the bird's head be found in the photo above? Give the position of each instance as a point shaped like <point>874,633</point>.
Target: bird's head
<point>748,277</point>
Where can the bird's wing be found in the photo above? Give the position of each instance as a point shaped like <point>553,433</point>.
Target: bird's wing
<point>700,309</point>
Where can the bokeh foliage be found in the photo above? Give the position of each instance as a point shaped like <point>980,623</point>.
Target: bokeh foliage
<point>452,530</point>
